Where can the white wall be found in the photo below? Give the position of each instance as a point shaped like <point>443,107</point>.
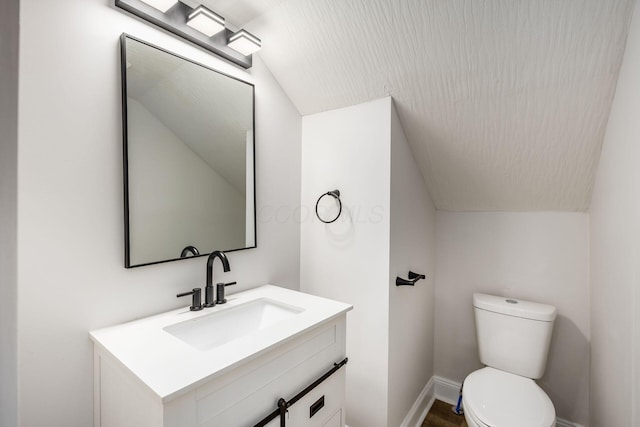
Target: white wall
<point>8,212</point>
<point>387,228</point>
<point>411,310</point>
<point>541,257</point>
<point>348,260</point>
<point>70,202</point>
<point>615,251</point>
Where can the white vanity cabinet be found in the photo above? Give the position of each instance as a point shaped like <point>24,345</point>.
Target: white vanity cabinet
<point>236,390</point>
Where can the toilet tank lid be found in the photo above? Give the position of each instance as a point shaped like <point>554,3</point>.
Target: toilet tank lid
<point>515,307</point>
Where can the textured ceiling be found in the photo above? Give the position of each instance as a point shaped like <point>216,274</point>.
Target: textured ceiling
<point>505,103</point>
<point>236,12</point>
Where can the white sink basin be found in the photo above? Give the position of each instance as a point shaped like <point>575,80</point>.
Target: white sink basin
<point>178,350</point>
<point>220,327</point>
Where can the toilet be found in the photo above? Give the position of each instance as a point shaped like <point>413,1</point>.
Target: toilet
<point>513,343</point>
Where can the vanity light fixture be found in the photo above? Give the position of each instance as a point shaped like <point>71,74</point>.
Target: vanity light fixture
<point>245,42</point>
<point>205,21</point>
<point>198,25</point>
<point>161,5</point>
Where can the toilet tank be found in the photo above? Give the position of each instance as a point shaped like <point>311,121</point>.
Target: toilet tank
<point>513,335</point>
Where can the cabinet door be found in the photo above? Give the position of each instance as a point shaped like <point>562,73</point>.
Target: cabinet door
<point>322,406</point>
<point>335,421</point>
<point>248,393</point>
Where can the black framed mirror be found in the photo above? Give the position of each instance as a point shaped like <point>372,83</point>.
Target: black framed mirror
<point>189,157</point>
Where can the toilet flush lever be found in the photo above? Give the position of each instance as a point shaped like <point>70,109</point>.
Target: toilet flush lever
<point>413,278</point>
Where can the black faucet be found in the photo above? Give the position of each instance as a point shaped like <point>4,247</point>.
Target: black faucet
<point>209,301</point>
<point>194,251</point>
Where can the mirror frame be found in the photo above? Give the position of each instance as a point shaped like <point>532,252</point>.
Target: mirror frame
<point>125,151</point>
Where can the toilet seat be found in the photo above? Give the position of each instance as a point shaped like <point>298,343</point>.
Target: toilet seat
<point>472,420</point>
<point>500,399</point>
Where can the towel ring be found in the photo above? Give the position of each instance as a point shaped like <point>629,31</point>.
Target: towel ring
<point>336,195</point>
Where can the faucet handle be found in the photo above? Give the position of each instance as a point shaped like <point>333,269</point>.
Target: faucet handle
<point>196,301</point>
<point>220,292</point>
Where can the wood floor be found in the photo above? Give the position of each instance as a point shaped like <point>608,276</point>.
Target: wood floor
<point>441,415</point>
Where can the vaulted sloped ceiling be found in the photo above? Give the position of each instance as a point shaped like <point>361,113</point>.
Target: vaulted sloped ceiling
<point>505,102</point>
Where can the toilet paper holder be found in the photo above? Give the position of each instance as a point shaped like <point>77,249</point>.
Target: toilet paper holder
<point>413,278</point>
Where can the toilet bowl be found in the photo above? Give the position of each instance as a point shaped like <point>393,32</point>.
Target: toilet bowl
<point>493,398</point>
<point>513,343</point>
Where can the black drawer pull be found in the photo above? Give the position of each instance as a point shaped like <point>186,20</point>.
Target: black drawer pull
<point>313,409</point>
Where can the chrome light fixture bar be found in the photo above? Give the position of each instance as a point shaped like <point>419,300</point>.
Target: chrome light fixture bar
<point>193,25</point>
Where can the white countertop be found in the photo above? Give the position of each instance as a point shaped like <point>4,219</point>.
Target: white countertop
<point>167,365</point>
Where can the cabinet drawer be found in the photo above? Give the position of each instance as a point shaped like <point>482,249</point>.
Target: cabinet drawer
<point>333,391</point>
<point>335,421</point>
<point>249,393</point>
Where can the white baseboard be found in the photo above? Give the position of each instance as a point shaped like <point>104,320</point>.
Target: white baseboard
<point>447,391</point>
<point>560,422</point>
<point>420,407</point>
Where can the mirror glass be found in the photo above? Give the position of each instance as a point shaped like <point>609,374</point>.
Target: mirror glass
<point>189,157</point>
